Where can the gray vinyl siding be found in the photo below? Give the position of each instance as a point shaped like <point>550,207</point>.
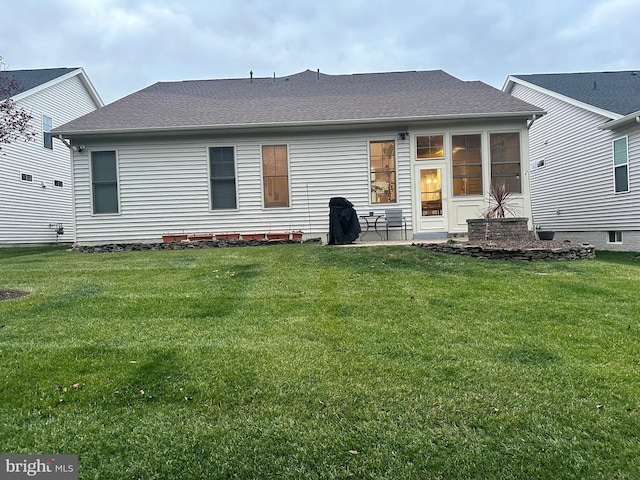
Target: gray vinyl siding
<point>164,185</point>
<point>574,191</point>
<point>27,208</point>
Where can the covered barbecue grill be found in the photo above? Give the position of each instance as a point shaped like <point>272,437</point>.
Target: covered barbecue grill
<point>344,227</point>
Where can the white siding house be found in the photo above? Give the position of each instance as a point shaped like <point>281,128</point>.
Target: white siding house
<point>36,193</point>
<point>146,165</point>
<point>579,189</point>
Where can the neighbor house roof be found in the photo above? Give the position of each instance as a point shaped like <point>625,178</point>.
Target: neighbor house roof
<point>615,92</point>
<point>27,82</point>
<point>306,98</point>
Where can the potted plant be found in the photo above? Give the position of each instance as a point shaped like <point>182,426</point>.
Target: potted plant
<point>227,236</point>
<point>174,237</point>
<point>253,236</point>
<point>195,237</point>
<point>544,234</point>
<point>277,236</point>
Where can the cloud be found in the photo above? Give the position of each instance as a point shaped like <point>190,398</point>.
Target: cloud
<point>125,45</point>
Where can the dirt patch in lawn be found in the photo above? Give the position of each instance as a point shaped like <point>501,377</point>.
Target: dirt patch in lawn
<point>7,294</point>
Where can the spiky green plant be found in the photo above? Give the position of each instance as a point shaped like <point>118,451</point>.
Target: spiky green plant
<point>500,203</point>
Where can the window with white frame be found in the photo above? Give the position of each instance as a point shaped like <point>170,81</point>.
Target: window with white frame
<point>47,125</point>
<point>621,165</point>
<point>222,172</point>
<point>104,181</point>
<point>429,146</point>
<point>382,164</point>
<point>466,158</point>
<point>26,177</point>
<point>615,236</point>
<point>505,161</point>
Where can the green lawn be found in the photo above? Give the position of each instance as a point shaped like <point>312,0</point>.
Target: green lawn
<point>302,361</point>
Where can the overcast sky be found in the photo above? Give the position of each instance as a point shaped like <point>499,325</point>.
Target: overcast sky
<point>126,45</point>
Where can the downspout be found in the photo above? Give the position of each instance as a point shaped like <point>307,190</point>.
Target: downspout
<point>73,190</point>
<point>530,122</point>
<point>64,141</point>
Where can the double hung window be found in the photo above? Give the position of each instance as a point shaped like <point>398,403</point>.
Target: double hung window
<point>382,164</point>
<point>47,125</point>
<point>223,177</point>
<point>466,155</point>
<point>505,161</point>
<point>621,165</point>
<point>104,181</point>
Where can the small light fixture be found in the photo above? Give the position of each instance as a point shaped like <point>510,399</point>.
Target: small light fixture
<point>403,135</point>
<point>79,148</point>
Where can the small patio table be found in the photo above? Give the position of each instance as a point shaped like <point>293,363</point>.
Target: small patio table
<point>371,220</point>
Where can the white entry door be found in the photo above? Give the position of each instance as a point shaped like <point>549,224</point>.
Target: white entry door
<point>431,207</point>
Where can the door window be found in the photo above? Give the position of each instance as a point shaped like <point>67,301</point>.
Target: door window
<point>431,191</point>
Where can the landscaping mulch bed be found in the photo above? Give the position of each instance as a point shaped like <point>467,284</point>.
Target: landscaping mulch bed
<point>8,294</point>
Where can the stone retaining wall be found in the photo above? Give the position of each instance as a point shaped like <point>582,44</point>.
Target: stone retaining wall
<point>138,247</point>
<point>572,252</point>
<point>487,229</point>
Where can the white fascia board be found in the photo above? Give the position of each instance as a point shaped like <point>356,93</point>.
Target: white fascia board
<point>612,125</point>
<point>387,122</point>
<point>572,101</point>
<point>83,78</point>
<point>90,88</point>
<point>508,84</point>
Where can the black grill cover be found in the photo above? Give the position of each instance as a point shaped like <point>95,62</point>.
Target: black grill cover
<point>344,227</point>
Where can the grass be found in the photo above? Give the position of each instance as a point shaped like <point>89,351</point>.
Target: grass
<point>300,361</point>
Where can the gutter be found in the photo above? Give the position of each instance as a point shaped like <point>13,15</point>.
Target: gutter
<point>304,124</point>
<point>613,124</point>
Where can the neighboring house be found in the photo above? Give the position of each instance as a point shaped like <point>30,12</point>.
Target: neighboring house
<point>585,155</point>
<point>35,176</point>
<point>267,154</point>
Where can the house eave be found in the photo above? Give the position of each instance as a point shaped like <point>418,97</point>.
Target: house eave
<point>298,125</point>
<point>621,122</point>
<point>93,93</point>
<point>511,80</point>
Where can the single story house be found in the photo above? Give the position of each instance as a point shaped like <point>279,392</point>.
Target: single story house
<point>267,154</point>
<point>585,155</point>
<point>36,192</point>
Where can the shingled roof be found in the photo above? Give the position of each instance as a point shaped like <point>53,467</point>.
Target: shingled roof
<point>27,79</point>
<point>307,97</point>
<point>617,92</point>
